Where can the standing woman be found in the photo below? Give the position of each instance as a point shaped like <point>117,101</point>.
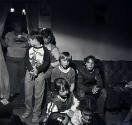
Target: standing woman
<point>50,44</point>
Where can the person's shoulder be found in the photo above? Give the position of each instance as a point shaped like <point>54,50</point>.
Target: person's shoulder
<point>71,70</point>
<point>54,48</point>
<point>9,34</point>
<point>56,69</point>
<point>81,68</point>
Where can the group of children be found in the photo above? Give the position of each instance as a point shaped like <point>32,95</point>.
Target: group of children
<point>45,63</point>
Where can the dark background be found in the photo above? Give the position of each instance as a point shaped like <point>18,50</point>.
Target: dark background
<point>82,27</point>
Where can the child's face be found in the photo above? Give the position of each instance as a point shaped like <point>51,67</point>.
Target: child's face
<point>90,64</point>
<point>33,42</point>
<point>47,40</point>
<point>64,63</point>
<point>64,93</point>
<point>86,116</point>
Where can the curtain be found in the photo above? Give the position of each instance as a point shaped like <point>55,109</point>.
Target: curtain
<point>4,77</point>
<point>32,16</point>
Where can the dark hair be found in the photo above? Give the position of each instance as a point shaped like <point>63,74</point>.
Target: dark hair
<point>36,35</point>
<point>65,55</point>
<point>57,118</point>
<point>48,32</point>
<point>61,85</point>
<point>87,104</point>
<point>89,57</point>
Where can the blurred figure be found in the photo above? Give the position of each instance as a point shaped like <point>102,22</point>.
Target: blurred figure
<point>16,43</point>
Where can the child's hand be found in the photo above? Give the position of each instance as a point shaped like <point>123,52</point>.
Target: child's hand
<point>4,101</point>
<point>33,74</point>
<point>95,90</point>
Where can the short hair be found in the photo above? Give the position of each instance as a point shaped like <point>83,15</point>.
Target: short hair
<point>36,35</point>
<point>86,59</point>
<point>46,32</point>
<point>65,55</point>
<point>61,84</point>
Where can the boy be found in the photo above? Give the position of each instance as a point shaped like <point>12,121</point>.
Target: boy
<point>37,62</point>
<point>64,70</point>
<point>90,83</point>
<point>64,101</point>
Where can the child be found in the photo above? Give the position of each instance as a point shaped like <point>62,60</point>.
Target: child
<point>83,115</point>
<point>64,101</point>
<point>37,62</point>
<point>50,44</point>
<point>90,83</point>
<point>64,70</point>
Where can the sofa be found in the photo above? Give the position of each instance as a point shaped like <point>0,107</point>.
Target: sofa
<point>115,75</point>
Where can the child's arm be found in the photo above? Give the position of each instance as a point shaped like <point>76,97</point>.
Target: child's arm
<point>51,107</point>
<point>46,62</point>
<point>75,104</point>
<point>72,81</point>
<point>55,52</point>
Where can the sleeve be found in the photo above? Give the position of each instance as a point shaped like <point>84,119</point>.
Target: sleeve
<point>46,62</point>
<point>98,79</point>
<point>27,62</point>
<point>72,75</point>
<point>51,107</point>
<point>54,74</point>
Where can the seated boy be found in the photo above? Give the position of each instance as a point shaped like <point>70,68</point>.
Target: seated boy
<point>90,83</point>
<point>64,70</point>
<point>64,101</point>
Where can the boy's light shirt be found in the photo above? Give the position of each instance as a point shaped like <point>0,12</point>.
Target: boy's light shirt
<point>53,108</point>
<point>36,56</point>
<point>64,70</point>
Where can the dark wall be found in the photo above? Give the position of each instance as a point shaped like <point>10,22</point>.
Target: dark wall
<point>101,28</point>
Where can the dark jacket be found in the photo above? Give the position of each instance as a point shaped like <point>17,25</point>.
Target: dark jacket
<point>41,68</point>
<point>89,79</point>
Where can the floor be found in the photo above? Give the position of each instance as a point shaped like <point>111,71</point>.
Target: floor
<point>111,118</point>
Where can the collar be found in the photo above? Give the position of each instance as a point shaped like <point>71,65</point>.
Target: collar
<point>64,70</point>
